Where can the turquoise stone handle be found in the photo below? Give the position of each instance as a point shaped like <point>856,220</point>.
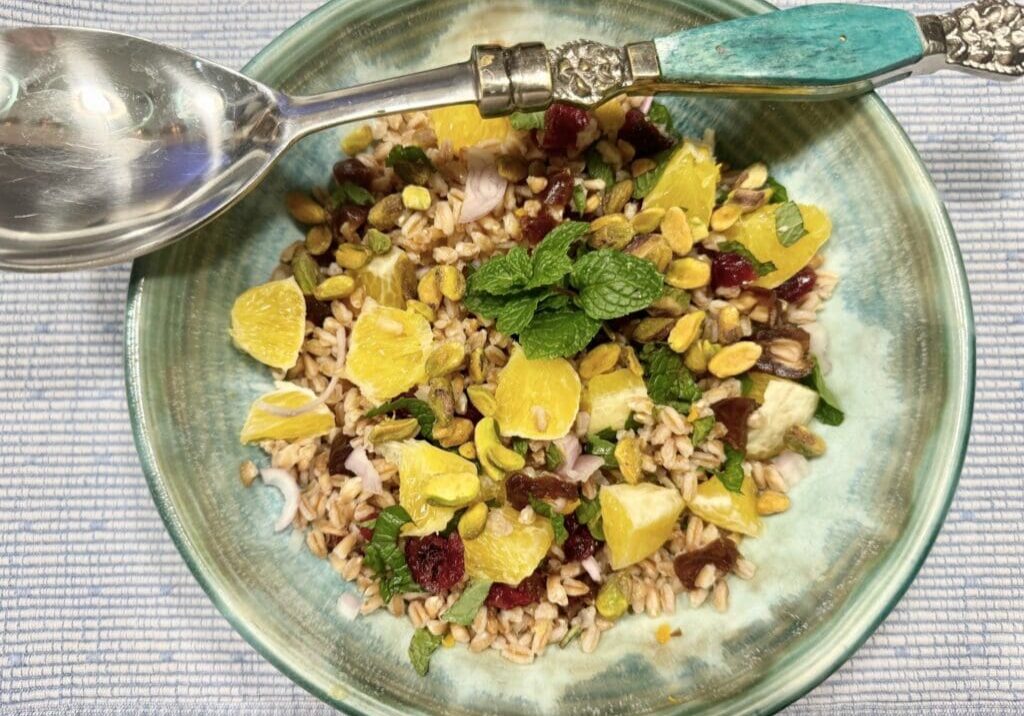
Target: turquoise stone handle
<point>834,50</point>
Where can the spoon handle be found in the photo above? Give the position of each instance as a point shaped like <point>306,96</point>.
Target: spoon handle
<point>839,50</point>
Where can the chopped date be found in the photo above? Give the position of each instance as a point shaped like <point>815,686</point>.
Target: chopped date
<point>733,414</point>
<point>722,553</point>
<point>643,134</point>
<point>528,591</point>
<point>437,564</point>
<point>341,448</point>
<point>317,311</point>
<point>535,228</point>
<point>351,214</point>
<point>353,170</point>
<point>520,487</point>
<point>559,189</point>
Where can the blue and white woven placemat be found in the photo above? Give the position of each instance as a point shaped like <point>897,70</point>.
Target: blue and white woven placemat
<point>99,614</point>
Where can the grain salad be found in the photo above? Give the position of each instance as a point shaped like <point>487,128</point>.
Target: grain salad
<point>535,373</point>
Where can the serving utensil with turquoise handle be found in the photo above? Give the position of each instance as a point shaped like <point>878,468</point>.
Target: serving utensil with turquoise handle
<point>112,146</point>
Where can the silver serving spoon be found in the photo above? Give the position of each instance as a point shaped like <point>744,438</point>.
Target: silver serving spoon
<point>112,146</point>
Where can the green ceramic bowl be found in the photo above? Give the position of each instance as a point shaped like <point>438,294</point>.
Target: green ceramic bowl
<point>830,569</point>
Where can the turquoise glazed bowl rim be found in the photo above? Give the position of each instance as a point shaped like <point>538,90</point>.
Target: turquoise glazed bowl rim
<point>868,604</point>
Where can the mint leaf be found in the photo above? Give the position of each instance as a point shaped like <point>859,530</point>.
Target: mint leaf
<point>589,514</point>
<point>555,302</point>
<point>779,193</point>
<point>668,379</point>
<point>643,184</point>
<point>513,312</point>
<point>553,457</point>
<point>789,224</point>
<point>701,429</point>
<point>524,121</point>
<point>469,602</point>
<point>557,520</point>
<point>598,168</point>
<point>384,556</point>
<point>551,257</point>
<point>502,274</point>
<point>659,114</point>
<point>731,473</point>
<point>828,410</point>
<point>410,163</point>
<point>521,446</point>
<point>614,284</point>
<point>421,648</point>
<point>602,447</point>
<point>746,385</point>
<point>763,268</point>
<point>579,199</point>
<point>349,193</point>
<point>554,335</point>
<point>414,408</point>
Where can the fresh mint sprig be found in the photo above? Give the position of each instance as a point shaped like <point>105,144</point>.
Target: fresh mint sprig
<point>553,303</point>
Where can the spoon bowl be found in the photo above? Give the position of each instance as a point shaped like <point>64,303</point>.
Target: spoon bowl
<point>114,146</point>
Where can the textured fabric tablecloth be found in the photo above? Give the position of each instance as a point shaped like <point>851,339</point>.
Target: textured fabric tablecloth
<point>99,614</point>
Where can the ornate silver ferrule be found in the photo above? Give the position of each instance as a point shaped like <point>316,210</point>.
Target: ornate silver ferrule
<point>985,38</point>
<point>529,77</point>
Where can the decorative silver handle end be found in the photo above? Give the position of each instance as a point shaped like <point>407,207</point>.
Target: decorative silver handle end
<point>985,38</point>
<point>529,77</point>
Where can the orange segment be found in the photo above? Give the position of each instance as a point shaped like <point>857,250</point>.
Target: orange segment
<point>507,551</point>
<point>638,519</point>
<point>689,181</point>
<point>390,279</point>
<point>261,424</point>
<point>418,461</point>
<point>463,126</point>
<point>269,322</point>
<point>387,351</point>
<point>537,399</point>
<point>756,231</point>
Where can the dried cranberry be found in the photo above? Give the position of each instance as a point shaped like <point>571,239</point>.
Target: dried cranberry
<point>317,311</point>
<point>341,448</point>
<point>580,544</point>
<point>722,553</point>
<point>436,563</point>
<point>520,487</point>
<point>528,591</point>
<point>559,190</point>
<point>351,214</point>
<point>535,228</point>
<point>562,125</point>
<point>353,170</point>
<point>799,286</point>
<point>731,270</point>
<point>367,532</point>
<point>733,414</point>
<point>643,134</point>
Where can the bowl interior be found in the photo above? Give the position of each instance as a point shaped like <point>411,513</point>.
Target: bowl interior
<point>828,570</point>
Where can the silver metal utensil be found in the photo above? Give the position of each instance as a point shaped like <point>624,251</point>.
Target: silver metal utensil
<point>112,146</point>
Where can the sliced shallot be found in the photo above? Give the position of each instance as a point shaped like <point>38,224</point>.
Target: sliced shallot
<point>485,188</point>
<point>359,464</point>
<point>592,568</point>
<point>793,467</point>
<point>349,605</point>
<point>285,484</point>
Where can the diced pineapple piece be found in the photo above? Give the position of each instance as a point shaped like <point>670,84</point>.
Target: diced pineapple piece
<point>638,519</point>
